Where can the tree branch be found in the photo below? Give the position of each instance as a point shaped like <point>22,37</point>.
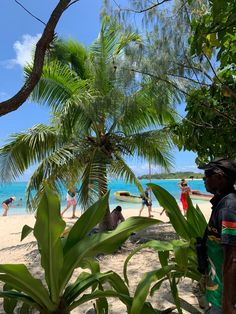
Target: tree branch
<point>191,67</point>
<point>188,79</point>
<point>30,13</point>
<point>72,2</point>
<point>41,47</point>
<point>158,78</point>
<point>143,10</point>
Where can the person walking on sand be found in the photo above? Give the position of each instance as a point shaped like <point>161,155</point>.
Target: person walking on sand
<point>219,241</point>
<point>146,201</point>
<point>6,204</point>
<point>185,190</point>
<point>71,201</point>
<point>116,217</point>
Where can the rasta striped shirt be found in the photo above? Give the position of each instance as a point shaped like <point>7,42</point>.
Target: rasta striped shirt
<point>221,230</point>
<point>228,228</point>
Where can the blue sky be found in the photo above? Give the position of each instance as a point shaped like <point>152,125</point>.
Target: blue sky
<point>18,31</point>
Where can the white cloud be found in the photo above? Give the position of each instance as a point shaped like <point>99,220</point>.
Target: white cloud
<point>23,50</point>
<point>3,96</point>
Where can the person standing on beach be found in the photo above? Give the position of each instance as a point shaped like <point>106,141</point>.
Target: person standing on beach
<point>146,201</point>
<point>220,236</point>
<point>185,190</point>
<point>71,201</point>
<point>116,217</point>
<point>6,204</point>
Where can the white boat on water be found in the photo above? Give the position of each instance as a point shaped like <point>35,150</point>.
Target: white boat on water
<point>197,195</point>
<point>125,196</point>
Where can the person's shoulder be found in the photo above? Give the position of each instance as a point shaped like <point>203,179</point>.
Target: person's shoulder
<point>228,202</point>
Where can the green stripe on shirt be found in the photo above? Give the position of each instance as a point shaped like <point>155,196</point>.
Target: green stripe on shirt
<point>229,231</point>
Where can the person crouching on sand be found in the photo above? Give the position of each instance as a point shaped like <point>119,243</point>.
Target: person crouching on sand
<point>116,216</point>
<point>6,204</point>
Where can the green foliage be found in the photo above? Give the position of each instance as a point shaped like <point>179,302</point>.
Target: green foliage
<point>215,29</point>
<point>209,125</point>
<point>184,263</point>
<point>98,120</point>
<point>174,175</point>
<point>60,257</point>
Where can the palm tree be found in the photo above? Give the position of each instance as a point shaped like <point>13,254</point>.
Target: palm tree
<point>99,117</point>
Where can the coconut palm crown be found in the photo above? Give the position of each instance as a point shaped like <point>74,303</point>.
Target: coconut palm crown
<point>100,116</point>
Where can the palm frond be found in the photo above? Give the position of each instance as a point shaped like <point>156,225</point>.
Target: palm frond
<point>120,169</point>
<point>72,55</point>
<point>152,145</point>
<point>57,84</point>
<point>26,149</point>
<point>93,181</point>
<point>59,169</point>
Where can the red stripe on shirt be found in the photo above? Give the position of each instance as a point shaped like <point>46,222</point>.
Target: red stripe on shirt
<point>229,224</point>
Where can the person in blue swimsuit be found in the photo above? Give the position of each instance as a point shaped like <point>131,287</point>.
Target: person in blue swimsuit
<point>146,201</point>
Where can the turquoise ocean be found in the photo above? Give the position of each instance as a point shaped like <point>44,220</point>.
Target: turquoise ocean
<point>18,189</point>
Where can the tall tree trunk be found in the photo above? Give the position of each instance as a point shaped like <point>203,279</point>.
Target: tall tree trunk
<point>42,45</point>
<point>106,223</point>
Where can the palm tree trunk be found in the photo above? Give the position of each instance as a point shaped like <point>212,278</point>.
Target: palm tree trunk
<point>106,223</point>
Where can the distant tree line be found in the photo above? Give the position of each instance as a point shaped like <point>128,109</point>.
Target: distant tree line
<point>174,175</point>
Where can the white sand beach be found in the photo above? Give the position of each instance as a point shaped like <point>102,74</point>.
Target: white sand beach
<point>14,251</point>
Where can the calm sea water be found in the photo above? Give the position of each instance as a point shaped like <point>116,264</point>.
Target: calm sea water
<point>18,189</point>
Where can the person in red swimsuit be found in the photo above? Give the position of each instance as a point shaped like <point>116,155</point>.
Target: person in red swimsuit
<point>185,190</point>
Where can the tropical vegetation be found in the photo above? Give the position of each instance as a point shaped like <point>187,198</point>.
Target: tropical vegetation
<point>178,258</point>
<point>61,256</point>
<point>100,116</point>
<point>198,61</point>
<point>210,123</point>
<point>109,102</point>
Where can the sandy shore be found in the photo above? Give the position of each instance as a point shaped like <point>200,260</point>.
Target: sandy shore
<point>11,226</point>
<point>14,251</point>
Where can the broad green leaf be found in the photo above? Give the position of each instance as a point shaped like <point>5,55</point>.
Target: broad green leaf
<point>181,257</point>
<point>48,229</point>
<point>25,309</point>
<point>163,257</point>
<point>95,295</point>
<point>102,243</point>
<point>90,218</point>
<point>157,285</point>
<point>91,264</point>
<point>86,280</point>
<point>168,202</point>
<point>15,297</point>
<point>175,294</point>
<point>102,306</point>
<point>9,304</point>
<point>154,244</point>
<point>26,230</point>
<point>117,283</point>
<point>142,290</point>
<point>196,220</point>
<point>19,277</point>
<point>147,308</point>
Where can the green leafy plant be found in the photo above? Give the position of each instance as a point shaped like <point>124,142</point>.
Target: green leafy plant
<point>177,257</point>
<point>61,256</point>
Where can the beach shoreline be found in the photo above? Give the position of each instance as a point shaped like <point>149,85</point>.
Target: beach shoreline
<point>26,252</point>
<point>11,225</point>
